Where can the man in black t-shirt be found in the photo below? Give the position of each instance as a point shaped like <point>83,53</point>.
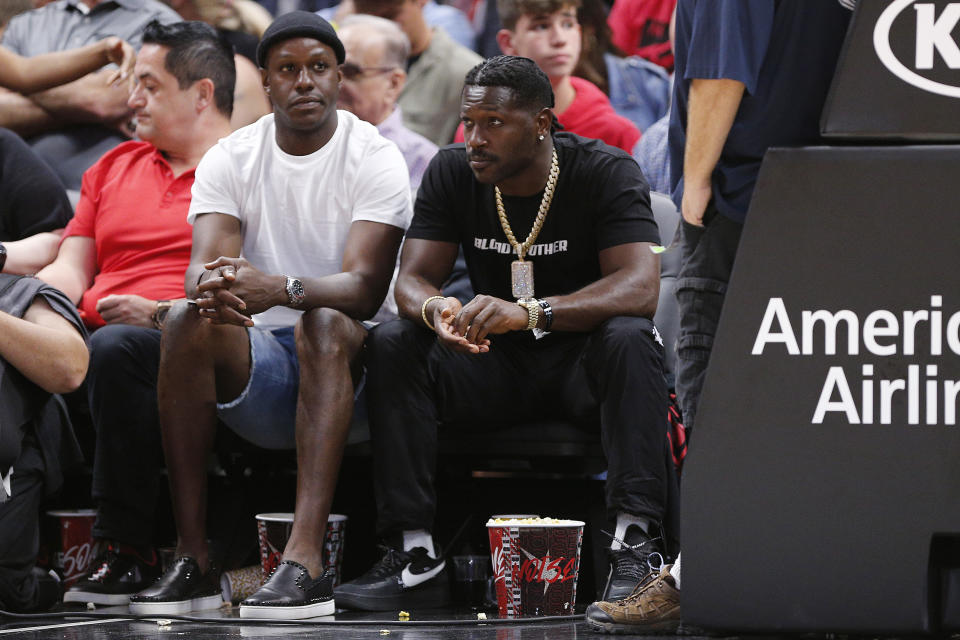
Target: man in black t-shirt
<point>584,346</point>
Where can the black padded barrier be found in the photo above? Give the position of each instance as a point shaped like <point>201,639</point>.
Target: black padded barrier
<point>822,488</point>
<point>795,521</point>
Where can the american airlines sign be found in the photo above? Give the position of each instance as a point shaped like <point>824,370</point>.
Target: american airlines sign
<point>936,44</point>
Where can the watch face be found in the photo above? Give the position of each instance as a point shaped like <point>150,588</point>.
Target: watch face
<point>295,291</point>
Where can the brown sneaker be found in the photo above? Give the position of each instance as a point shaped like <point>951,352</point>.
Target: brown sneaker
<point>653,607</point>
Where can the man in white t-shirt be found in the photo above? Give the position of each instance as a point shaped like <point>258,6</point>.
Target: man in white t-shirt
<point>316,203</point>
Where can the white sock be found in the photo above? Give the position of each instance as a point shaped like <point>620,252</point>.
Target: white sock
<point>675,571</point>
<point>419,538</point>
<point>624,520</point>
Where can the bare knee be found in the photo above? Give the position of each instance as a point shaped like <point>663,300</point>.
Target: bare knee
<point>182,322</point>
<point>183,315</point>
<point>325,333</point>
<point>185,332</point>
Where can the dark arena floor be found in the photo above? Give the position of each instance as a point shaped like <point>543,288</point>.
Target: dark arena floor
<point>457,624</point>
<point>466,500</point>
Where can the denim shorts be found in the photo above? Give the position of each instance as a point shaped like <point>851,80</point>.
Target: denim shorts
<point>265,411</point>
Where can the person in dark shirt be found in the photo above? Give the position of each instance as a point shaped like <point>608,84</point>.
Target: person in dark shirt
<point>42,353</point>
<point>750,75</point>
<point>33,208</point>
<point>584,346</point>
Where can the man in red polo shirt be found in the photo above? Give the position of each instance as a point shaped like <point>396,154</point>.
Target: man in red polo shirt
<point>122,259</point>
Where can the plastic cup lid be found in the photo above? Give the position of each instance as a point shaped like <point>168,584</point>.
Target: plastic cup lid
<point>275,517</point>
<point>73,513</point>
<point>288,517</point>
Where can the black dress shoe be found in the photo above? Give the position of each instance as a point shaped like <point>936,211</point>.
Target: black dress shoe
<point>182,589</point>
<point>291,594</point>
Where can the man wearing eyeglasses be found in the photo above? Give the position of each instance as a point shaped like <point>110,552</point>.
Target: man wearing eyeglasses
<point>373,76</point>
<point>435,69</point>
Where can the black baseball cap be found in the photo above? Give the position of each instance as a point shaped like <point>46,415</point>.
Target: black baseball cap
<point>299,24</point>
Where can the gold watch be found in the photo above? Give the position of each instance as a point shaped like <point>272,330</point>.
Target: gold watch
<point>533,311</point>
<point>163,308</point>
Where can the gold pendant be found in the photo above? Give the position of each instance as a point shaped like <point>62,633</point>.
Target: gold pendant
<point>521,272</point>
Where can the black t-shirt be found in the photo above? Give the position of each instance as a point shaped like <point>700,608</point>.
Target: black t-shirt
<point>32,198</point>
<point>601,200</point>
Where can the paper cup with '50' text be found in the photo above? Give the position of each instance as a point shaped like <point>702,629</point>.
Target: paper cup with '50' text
<point>73,557</point>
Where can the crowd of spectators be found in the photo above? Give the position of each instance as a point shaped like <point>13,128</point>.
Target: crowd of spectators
<point>201,216</point>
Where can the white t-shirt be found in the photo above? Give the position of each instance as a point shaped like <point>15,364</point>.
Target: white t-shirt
<point>295,211</point>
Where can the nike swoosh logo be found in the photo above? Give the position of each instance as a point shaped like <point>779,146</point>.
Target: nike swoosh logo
<point>411,579</point>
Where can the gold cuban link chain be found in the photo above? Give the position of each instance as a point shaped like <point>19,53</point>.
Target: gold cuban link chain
<point>521,249</point>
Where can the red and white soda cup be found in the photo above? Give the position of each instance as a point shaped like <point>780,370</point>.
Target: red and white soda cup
<point>75,554</point>
<point>273,531</point>
<point>536,562</point>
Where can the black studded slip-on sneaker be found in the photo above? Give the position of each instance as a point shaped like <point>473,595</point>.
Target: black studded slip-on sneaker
<point>291,594</point>
<point>181,589</point>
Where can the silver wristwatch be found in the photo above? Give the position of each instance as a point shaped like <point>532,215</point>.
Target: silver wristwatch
<point>295,294</point>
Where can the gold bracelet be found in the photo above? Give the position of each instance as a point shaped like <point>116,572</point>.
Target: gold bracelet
<point>533,311</point>
<point>423,311</point>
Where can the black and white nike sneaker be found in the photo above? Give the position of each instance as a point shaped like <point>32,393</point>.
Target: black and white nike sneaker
<point>400,580</point>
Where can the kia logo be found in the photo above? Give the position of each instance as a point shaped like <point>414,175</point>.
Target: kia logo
<point>933,38</point>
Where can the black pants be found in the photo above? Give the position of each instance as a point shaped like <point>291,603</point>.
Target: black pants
<point>122,391</point>
<point>708,256</point>
<point>20,529</point>
<point>413,383</point>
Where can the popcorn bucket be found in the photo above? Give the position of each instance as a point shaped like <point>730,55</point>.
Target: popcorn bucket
<point>75,553</point>
<point>535,565</point>
<point>240,584</point>
<point>273,530</point>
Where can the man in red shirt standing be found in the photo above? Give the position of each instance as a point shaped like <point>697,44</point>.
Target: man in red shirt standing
<point>121,261</point>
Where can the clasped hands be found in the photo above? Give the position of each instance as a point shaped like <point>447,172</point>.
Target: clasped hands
<point>465,328</point>
<point>231,290</point>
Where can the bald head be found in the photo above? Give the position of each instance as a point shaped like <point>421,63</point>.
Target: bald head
<point>373,74</point>
<point>378,31</point>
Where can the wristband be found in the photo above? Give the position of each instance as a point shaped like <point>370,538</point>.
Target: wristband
<point>547,314</point>
<point>423,311</point>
